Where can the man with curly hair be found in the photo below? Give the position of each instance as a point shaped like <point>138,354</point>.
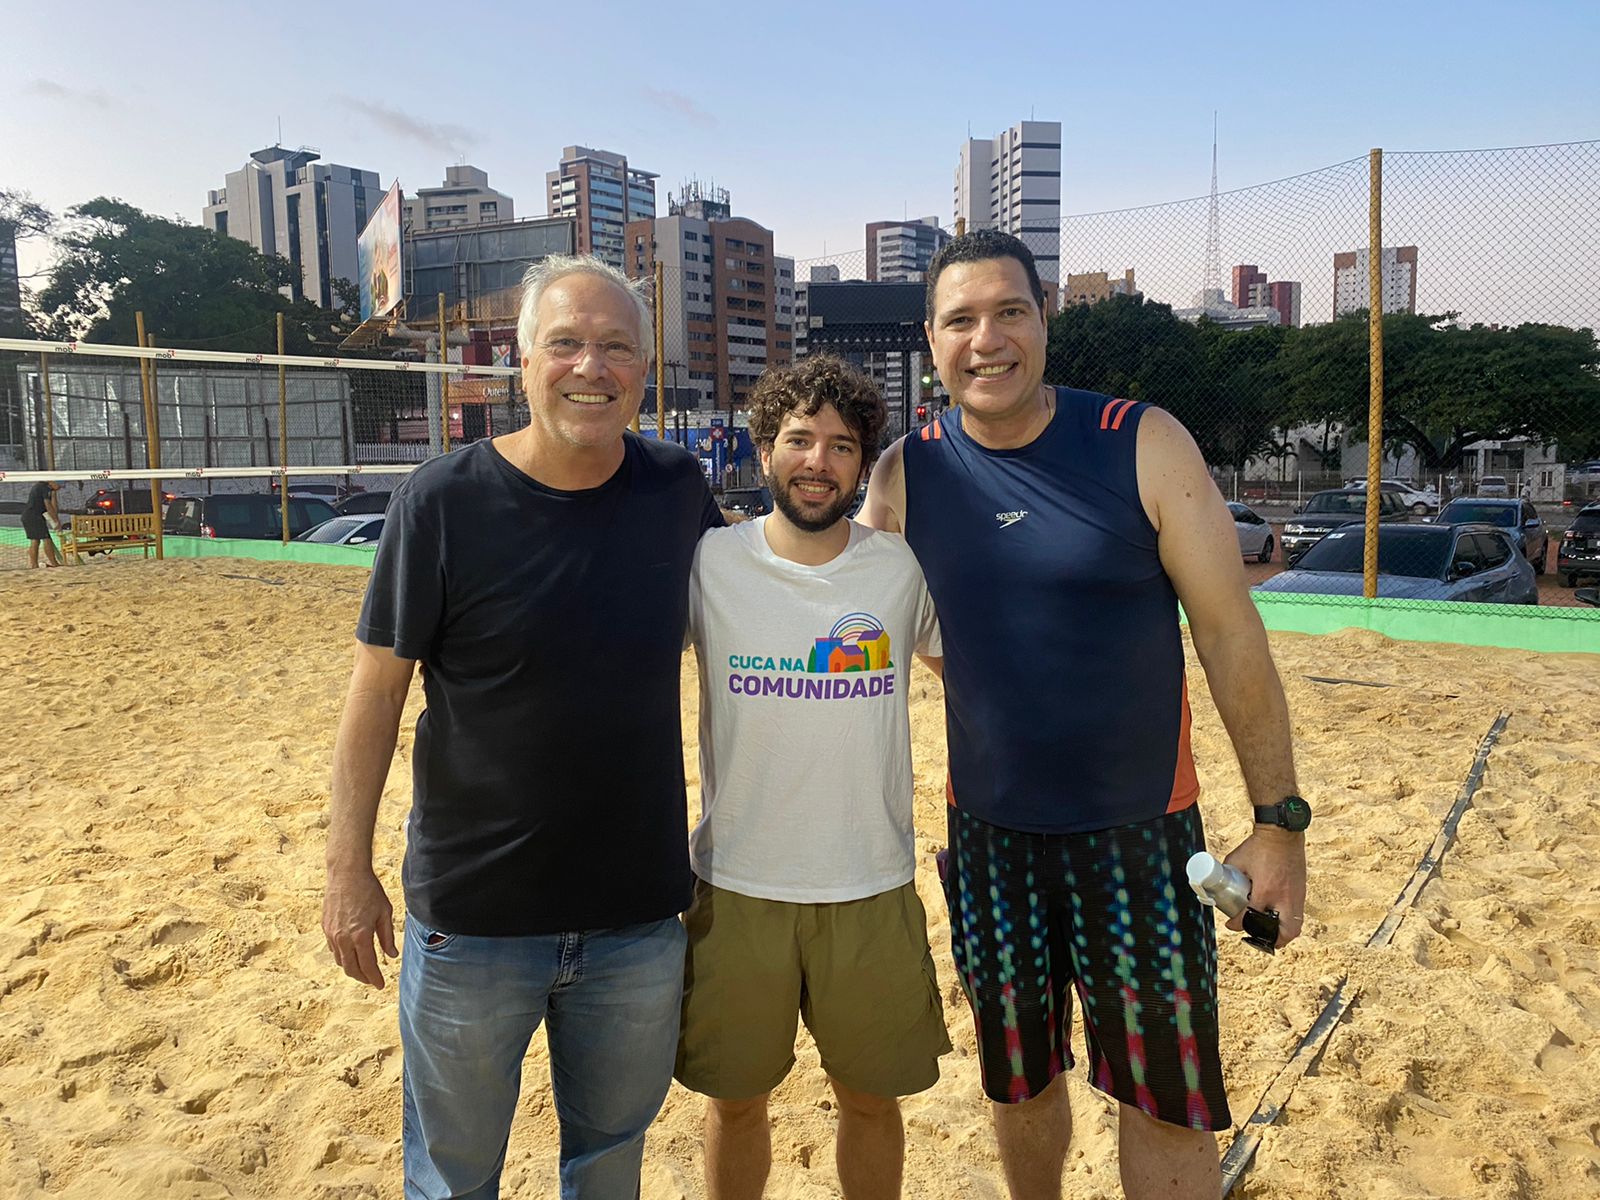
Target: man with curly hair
<point>804,623</point>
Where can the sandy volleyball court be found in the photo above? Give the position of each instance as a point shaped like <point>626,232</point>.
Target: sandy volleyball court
<point>171,1024</point>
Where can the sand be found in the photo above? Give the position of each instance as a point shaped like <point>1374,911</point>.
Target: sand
<point>171,1024</point>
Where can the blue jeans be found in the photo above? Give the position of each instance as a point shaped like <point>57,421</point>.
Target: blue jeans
<point>468,1008</point>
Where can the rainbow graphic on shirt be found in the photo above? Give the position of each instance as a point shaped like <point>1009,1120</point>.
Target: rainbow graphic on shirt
<point>857,642</point>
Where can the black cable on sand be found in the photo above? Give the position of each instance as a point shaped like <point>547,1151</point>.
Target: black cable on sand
<point>1237,1160</point>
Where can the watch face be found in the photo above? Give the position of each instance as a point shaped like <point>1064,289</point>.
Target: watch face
<point>1296,814</point>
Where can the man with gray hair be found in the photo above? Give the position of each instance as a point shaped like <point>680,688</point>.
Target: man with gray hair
<point>541,577</point>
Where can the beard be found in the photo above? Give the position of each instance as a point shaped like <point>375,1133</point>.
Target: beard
<point>814,520</point>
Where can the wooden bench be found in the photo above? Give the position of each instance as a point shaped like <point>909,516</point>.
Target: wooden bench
<point>103,534</point>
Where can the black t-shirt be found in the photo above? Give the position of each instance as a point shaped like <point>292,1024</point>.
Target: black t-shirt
<point>548,791</point>
<point>38,498</point>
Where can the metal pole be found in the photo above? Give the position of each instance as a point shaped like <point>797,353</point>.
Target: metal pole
<point>49,414</point>
<point>661,337</point>
<point>283,439</point>
<point>1369,561</point>
<point>444,382</point>
<point>152,430</point>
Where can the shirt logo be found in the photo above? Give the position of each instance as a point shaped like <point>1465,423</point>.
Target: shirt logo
<point>1008,519</point>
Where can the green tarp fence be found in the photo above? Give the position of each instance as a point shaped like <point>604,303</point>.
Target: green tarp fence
<point>1514,627</point>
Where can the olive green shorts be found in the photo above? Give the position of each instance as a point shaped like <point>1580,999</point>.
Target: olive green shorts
<point>858,972</point>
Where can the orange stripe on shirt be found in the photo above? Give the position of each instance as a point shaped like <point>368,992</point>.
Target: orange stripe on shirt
<point>1116,422</point>
<point>937,436</point>
<point>1185,784</point>
<point>924,432</point>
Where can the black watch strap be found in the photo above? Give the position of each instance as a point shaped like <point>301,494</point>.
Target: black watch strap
<point>1291,813</point>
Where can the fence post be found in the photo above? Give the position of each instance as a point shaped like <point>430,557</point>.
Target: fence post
<point>444,382</point>
<point>49,414</point>
<point>152,430</point>
<point>661,352</point>
<point>283,438</point>
<point>1369,561</point>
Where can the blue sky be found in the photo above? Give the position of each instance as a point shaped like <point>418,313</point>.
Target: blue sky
<point>818,117</point>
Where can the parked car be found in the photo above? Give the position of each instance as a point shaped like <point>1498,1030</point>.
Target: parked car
<point>1517,517</point>
<point>1255,533</point>
<point>360,503</point>
<point>1416,562</point>
<point>242,515</point>
<point>330,493</point>
<point>131,498</point>
<point>1493,485</point>
<point>358,530</point>
<point>1578,553</point>
<point>752,501</point>
<point>1420,501</point>
<point>1331,509</point>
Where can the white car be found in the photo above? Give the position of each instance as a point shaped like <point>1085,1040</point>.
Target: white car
<point>1255,533</point>
<point>362,530</point>
<point>1421,501</point>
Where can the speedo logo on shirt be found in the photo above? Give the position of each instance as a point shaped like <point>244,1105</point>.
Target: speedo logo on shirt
<point>1008,519</point>
<point>857,645</point>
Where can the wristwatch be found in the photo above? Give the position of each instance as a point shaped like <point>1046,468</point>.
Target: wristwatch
<point>1291,813</point>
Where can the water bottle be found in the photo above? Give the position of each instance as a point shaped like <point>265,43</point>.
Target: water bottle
<point>1218,884</point>
<point>1228,889</point>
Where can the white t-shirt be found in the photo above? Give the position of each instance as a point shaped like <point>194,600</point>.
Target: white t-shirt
<point>805,739</point>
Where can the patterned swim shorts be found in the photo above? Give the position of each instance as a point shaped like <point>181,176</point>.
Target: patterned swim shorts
<point>1109,915</point>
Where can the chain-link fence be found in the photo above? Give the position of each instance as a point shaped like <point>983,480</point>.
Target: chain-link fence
<point>1246,316</point>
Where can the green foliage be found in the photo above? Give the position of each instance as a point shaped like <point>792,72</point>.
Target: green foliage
<point>195,287</point>
<point>1445,387</point>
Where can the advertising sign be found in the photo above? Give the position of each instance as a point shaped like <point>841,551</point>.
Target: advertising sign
<point>378,257</point>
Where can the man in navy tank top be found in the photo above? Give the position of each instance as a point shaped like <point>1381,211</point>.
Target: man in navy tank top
<point>1059,530</point>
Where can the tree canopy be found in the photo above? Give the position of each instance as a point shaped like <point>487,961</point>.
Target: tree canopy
<point>1445,386</point>
<point>195,287</point>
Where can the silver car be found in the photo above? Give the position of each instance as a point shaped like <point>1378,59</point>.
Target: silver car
<point>1255,533</point>
<point>1416,562</point>
<point>358,530</point>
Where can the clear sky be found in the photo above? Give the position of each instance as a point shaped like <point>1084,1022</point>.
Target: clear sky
<point>817,117</point>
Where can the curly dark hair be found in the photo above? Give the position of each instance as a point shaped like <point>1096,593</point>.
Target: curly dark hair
<point>983,245</point>
<point>804,387</point>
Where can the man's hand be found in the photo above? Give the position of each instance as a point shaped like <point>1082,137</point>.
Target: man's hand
<point>1275,861</point>
<point>354,910</point>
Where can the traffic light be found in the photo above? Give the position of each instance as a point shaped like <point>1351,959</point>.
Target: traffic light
<point>922,412</point>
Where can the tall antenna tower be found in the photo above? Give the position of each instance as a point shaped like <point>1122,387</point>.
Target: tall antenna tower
<point>1213,280</point>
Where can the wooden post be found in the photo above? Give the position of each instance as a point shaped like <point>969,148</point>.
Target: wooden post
<point>661,338</point>
<point>49,414</point>
<point>283,438</point>
<point>1369,561</point>
<point>152,430</point>
<point>444,381</point>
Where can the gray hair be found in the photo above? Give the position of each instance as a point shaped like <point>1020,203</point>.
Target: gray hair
<point>557,267</point>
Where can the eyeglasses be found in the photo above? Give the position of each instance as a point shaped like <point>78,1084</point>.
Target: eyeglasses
<point>570,350</point>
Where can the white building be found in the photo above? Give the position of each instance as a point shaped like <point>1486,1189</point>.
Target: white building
<point>1013,182</point>
<point>465,199</point>
<point>1214,305</point>
<point>1352,288</point>
<point>285,202</point>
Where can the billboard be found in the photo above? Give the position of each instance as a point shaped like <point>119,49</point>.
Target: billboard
<point>378,257</point>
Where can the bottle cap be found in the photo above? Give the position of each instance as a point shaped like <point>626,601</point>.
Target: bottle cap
<point>1204,871</point>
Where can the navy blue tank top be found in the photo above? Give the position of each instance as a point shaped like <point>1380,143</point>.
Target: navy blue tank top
<point>1065,698</point>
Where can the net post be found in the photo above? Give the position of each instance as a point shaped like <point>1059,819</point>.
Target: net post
<point>444,382</point>
<point>661,337</point>
<point>283,438</point>
<point>1369,560</point>
<point>152,430</point>
<point>49,414</point>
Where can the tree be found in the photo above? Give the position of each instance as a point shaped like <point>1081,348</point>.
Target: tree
<point>194,286</point>
<point>1447,387</point>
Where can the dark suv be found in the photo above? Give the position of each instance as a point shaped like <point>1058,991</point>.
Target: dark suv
<point>1578,553</point>
<point>124,498</point>
<point>752,501</point>
<point>242,515</point>
<point>1517,517</point>
<point>1331,509</point>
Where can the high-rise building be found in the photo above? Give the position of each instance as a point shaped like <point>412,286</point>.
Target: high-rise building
<point>465,199</point>
<point>288,203</point>
<point>1244,276</point>
<point>11,320</point>
<point>900,251</point>
<point>1013,182</point>
<point>827,273</point>
<point>1091,287</point>
<point>729,300</point>
<point>1352,289</point>
<point>603,194</point>
<point>1281,294</point>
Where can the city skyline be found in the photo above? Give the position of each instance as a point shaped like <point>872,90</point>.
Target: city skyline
<point>122,115</point>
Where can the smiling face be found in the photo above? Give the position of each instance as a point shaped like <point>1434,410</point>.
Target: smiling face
<point>587,403</point>
<point>988,337</point>
<point>813,468</point>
